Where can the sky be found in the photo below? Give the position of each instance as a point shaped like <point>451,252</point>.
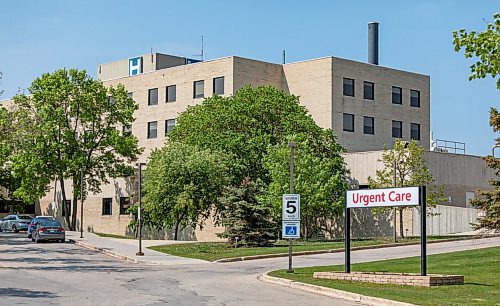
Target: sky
<point>42,36</point>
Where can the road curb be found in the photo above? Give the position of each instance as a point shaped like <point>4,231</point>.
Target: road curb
<point>365,299</point>
<point>104,251</point>
<point>341,250</point>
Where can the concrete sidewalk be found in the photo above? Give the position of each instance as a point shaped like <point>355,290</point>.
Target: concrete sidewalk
<point>125,249</point>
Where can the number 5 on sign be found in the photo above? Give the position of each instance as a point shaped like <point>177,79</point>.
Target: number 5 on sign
<point>291,207</point>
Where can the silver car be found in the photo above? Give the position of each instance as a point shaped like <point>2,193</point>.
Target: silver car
<point>15,223</point>
<point>47,229</point>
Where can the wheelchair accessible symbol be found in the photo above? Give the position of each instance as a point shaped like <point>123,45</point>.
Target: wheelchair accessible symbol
<point>290,230</point>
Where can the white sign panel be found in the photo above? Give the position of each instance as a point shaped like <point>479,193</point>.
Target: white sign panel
<point>291,229</point>
<point>291,207</point>
<point>405,196</point>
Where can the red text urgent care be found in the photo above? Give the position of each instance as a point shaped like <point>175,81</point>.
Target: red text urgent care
<point>382,197</point>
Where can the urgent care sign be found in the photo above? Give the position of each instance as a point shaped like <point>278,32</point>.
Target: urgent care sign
<point>405,196</point>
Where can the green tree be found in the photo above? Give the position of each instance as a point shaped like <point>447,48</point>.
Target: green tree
<point>319,178</point>
<point>71,123</point>
<point>244,125</point>
<point>181,185</point>
<point>485,46</point>
<point>406,160</point>
<point>244,217</point>
<point>7,182</point>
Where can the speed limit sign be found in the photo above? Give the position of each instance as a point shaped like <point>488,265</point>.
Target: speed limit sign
<point>291,207</point>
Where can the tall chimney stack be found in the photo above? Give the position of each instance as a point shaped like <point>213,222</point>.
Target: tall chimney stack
<point>373,43</point>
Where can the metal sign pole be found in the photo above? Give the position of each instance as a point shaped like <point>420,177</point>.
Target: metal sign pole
<point>292,147</point>
<point>139,211</point>
<point>347,236</point>
<point>423,231</point>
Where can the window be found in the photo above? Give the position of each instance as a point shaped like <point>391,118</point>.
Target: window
<point>219,86</point>
<point>415,131</point>
<point>198,89</point>
<point>369,91</point>
<point>348,87</point>
<point>348,123</point>
<point>396,95</point>
<point>169,125</point>
<point>171,93</point>
<point>66,209</point>
<point>127,130</point>
<point>111,100</point>
<point>397,129</point>
<point>130,95</point>
<point>368,125</point>
<point>152,129</point>
<point>106,206</point>
<point>124,205</point>
<point>153,96</point>
<point>415,98</point>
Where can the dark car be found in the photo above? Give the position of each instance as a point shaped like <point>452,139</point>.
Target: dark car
<point>15,223</point>
<point>34,221</point>
<point>47,229</point>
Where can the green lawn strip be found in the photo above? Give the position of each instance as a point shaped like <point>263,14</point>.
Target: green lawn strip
<point>104,235</point>
<point>481,270</point>
<point>212,251</point>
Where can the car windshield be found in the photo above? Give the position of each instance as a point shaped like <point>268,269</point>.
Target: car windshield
<point>50,223</point>
<point>25,217</point>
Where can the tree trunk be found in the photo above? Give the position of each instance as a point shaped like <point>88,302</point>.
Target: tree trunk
<point>75,206</point>
<point>176,229</point>
<point>401,227</point>
<point>66,206</point>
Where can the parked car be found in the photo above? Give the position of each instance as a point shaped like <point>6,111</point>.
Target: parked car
<point>47,229</point>
<point>15,223</point>
<point>34,221</point>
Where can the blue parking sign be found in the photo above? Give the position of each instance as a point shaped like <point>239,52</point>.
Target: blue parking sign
<point>291,229</point>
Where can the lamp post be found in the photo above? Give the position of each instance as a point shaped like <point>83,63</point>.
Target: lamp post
<point>81,202</point>
<point>139,210</point>
<point>291,145</point>
<point>394,208</point>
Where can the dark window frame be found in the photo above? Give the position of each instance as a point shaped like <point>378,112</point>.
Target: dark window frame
<point>366,128</point>
<point>417,99</point>
<point>345,87</point>
<point>344,115</point>
<point>166,125</point>
<point>152,101</point>
<point>150,134</point>
<point>105,203</point>
<point>214,87</point>
<point>395,101</point>
<point>125,203</point>
<point>168,97</point>
<point>394,129</point>
<point>199,95</point>
<point>371,92</point>
<point>417,125</point>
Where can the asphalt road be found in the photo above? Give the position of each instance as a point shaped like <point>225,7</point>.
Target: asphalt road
<point>63,274</point>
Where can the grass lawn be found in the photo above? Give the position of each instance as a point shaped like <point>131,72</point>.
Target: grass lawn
<point>113,236</point>
<point>481,270</point>
<point>212,251</point>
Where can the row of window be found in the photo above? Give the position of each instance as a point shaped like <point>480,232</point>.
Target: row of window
<point>369,92</point>
<point>198,91</point>
<point>153,128</point>
<point>107,206</point>
<point>369,127</point>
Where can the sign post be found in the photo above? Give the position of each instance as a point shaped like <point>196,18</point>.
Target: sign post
<point>290,222</point>
<point>386,197</point>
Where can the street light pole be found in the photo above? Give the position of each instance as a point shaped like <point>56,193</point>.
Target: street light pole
<point>139,217</point>
<point>394,208</point>
<point>81,203</point>
<point>291,145</point>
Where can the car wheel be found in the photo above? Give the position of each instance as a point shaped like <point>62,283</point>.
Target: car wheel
<point>14,229</point>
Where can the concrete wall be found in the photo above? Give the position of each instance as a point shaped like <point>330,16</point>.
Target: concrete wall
<point>446,220</point>
<point>458,173</point>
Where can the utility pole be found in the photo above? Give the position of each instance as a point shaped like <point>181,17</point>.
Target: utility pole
<point>291,145</point>
<point>81,203</point>
<point>139,211</point>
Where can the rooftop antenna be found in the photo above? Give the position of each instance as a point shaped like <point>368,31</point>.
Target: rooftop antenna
<point>201,54</point>
<point>284,57</point>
